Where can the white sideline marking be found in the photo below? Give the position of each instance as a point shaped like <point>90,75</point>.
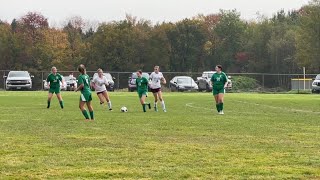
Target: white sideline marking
<point>277,107</point>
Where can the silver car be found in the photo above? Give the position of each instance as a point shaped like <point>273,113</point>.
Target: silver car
<point>183,83</point>
<point>18,80</point>
<point>316,85</point>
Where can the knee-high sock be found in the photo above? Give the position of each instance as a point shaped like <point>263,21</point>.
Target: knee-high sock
<point>163,105</point>
<point>85,114</point>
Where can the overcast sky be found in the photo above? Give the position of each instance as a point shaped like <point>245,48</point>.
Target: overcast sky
<point>155,10</point>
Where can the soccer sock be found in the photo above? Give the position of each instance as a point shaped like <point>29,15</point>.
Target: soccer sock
<point>144,107</point>
<point>109,105</point>
<point>85,114</point>
<point>61,104</point>
<point>163,105</point>
<point>155,104</point>
<point>48,104</point>
<point>91,115</point>
<point>218,107</point>
<point>221,106</point>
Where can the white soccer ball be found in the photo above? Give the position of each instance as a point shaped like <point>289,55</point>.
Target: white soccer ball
<point>124,109</point>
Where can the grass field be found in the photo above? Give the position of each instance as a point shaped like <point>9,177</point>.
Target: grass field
<point>261,136</point>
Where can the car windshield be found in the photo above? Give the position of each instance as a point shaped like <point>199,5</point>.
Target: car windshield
<point>68,78</point>
<point>18,74</point>
<point>318,77</point>
<point>107,75</point>
<point>185,81</point>
<point>134,75</point>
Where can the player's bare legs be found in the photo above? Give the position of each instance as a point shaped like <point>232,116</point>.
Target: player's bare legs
<point>106,96</point>
<point>155,101</point>
<point>49,99</point>
<point>220,101</point>
<point>83,110</point>
<point>162,101</point>
<point>60,100</point>
<point>216,98</point>
<point>90,108</point>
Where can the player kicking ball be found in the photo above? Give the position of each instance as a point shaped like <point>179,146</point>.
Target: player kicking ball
<point>219,82</point>
<point>157,78</point>
<point>142,88</point>
<point>85,97</point>
<point>99,83</point>
<point>53,81</point>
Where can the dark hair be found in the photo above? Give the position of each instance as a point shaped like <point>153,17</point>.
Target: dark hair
<point>139,71</point>
<point>82,68</point>
<point>220,67</point>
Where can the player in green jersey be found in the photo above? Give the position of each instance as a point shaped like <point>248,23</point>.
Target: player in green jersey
<point>54,79</point>
<point>219,82</point>
<point>142,88</point>
<point>85,97</point>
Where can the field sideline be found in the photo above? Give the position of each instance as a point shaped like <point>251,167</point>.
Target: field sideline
<point>261,136</point>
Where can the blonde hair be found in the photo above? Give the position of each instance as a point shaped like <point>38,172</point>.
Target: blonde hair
<point>99,70</point>
<point>53,67</point>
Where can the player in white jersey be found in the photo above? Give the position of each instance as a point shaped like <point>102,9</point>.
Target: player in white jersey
<point>99,83</point>
<point>157,79</point>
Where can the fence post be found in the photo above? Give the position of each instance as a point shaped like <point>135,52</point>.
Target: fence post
<point>42,81</point>
<point>263,81</point>
<point>118,80</point>
<point>4,81</point>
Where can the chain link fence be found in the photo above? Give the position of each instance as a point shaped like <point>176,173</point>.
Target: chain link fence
<point>264,82</point>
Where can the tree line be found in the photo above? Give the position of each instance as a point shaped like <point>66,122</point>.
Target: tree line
<point>283,43</point>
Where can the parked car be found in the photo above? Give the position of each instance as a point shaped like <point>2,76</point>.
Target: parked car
<point>18,80</point>
<point>109,78</point>
<point>132,81</point>
<point>316,84</point>
<point>71,83</point>
<point>205,84</point>
<point>63,87</point>
<point>183,83</point>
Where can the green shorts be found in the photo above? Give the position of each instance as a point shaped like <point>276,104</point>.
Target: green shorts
<point>85,97</point>
<point>143,93</point>
<point>218,91</point>
<point>54,90</point>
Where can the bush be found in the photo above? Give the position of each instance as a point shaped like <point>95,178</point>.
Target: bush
<point>243,83</point>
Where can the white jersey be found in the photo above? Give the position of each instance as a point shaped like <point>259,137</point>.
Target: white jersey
<point>156,80</point>
<point>100,83</point>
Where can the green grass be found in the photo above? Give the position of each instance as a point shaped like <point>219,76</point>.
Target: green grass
<point>261,136</point>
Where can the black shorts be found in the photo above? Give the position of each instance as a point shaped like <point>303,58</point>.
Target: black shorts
<point>100,92</point>
<point>156,90</point>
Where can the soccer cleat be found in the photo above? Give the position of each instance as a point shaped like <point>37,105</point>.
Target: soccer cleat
<point>110,109</point>
<point>221,113</point>
<point>165,110</point>
<point>155,109</point>
<point>149,105</point>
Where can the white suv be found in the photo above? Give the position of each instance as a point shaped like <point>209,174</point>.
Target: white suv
<point>316,85</point>
<point>18,80</point>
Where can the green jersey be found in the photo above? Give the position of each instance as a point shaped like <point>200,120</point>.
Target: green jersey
<point>219,80</point>
<point>85,80</point>
<point>142,84</point>
<point>54,80</point>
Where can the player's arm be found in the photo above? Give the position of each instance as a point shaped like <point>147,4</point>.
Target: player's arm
<point>93,83</point>
<point>62,80</point>
<point>106,82</point>
<point>80,84</point>
<point>226,83</point>
<point>163,80</point>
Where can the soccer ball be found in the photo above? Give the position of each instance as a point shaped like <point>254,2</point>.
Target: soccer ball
<point>124,109</point>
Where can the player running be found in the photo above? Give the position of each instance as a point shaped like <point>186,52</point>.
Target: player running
<point>219,82</point>
<point>157,78</point>
<point>53,81</point>
<point>85,97</point>
<point>99,83</point>
<point>142,88</point>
